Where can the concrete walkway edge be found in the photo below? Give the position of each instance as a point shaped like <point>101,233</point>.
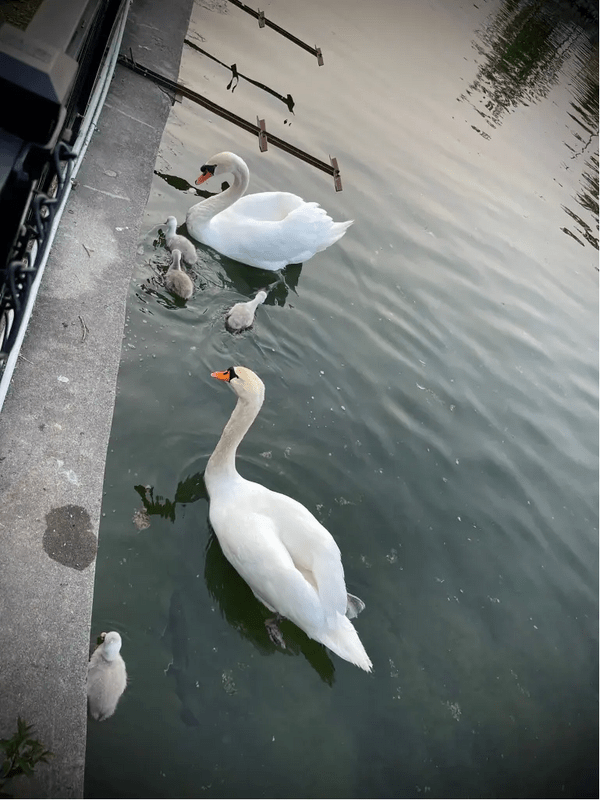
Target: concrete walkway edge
<point>56,420</point>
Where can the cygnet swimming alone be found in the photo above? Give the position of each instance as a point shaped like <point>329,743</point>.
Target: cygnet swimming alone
<point>178,281</point>
<point>107,677</point>
<point>176,241</point>
<point>241,316</point>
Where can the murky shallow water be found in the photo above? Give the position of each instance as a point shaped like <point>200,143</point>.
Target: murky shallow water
<point>431,395</point>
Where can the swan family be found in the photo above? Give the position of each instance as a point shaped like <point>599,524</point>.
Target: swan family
<point>268,230</point>
<point>289,560</point>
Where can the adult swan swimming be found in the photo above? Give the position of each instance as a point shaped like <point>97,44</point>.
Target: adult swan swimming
<point>289,560</point>
<point>266,230</point>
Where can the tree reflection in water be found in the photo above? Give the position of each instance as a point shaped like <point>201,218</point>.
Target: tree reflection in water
<point>525,47</point>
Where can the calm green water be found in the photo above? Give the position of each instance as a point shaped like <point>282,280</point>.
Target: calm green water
<point>431,395</point>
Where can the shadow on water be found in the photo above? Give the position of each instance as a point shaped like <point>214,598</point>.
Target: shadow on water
<point>177,637</point>
<point>188,491</point>
<point>287,100</point>
<point>524,47</point>
<point>183,185</point>
<point>249,281</point>
<point>247,615</point>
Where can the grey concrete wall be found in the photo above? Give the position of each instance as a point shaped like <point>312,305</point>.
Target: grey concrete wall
<point>56,420</point>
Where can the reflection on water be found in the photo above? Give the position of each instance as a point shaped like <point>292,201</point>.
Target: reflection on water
<point>177,637</point>
<point>189,490</point>
<point>584,85</point>
<point>181,184</point>
<point>525,47</point>
<point>249,281</point>
<point>288,100</point>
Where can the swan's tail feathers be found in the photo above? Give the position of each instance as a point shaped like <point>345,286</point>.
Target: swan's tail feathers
<point>335,232</point>
<point>354,606</point>
<point>345,643</point>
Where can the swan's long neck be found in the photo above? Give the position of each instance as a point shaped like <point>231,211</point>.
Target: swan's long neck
<point>176,262</point>
<point>221,464</point>
<point>260,298</point>
<point>207,209</point>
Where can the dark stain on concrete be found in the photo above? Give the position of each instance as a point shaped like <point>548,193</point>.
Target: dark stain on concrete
<point>69,538</point>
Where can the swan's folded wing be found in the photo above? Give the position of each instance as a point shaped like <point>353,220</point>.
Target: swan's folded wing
<point>312,225</point>
<point>312,549</point>
<point>252,546</point>
<point>292,234</point>
<point>267,206</point>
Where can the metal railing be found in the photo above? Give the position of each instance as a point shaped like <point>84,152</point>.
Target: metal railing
<point>67,84</point>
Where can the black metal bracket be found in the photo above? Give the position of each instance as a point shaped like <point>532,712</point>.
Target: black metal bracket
<point>262,135</point>
<point>337,181</point>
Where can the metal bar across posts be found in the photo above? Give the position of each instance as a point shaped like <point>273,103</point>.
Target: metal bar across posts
<point>262,21</point>
<point>258,130</point>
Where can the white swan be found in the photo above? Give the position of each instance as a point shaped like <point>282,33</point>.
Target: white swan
<point>107,677</point>
<point>266,230</point>
<point>178,281</point>
<point>289,560</point>
<point>241,315</point>
<point>176,241</point>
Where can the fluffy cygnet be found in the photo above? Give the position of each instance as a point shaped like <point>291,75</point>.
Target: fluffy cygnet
<point>107,677</point>
<point>176,241</point>
<point>178,281</point>
<point>241,316</point>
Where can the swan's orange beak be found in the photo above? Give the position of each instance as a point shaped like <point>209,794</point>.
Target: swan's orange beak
<point>202,178</point>
<point>221,376</point>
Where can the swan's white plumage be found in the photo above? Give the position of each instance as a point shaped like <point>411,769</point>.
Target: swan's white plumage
<point>289,560</point>
<point>267,230</point>
<point>107,677</point>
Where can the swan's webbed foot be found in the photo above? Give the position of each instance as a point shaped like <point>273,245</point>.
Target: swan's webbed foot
<point>275,634</point>
<point>354,606</point>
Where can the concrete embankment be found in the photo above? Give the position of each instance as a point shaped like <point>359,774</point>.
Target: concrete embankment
<point>56,420</point>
